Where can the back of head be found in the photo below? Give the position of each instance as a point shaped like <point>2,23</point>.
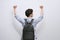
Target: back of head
<point>28,12</point>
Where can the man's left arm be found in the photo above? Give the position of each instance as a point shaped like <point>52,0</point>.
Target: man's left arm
<point>36,21</point>
<point>41,10</point>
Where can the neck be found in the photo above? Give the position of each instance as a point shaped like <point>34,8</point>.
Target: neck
<point>29,17</point>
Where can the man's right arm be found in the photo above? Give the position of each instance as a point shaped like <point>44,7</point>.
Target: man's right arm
<point>14,8</point>
<point>21,20</point>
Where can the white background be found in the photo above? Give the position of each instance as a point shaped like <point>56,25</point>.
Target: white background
<point>47,29</point>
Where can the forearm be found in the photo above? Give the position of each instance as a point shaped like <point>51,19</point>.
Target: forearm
<point>41,12</point>
<point>14,12</point>
<point>14,8</point>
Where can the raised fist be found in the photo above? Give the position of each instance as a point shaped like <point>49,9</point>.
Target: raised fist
<point>15,6</point>
<point>41,6</point>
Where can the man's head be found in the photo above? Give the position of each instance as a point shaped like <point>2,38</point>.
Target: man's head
<point>29,12</point>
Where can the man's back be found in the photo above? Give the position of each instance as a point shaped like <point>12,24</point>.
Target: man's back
<point>28,31</point>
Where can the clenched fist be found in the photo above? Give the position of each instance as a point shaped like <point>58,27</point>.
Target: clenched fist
<point>41,6</point>
<point>15,6</point>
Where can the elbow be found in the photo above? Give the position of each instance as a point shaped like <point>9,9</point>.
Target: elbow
<point>41,17</point>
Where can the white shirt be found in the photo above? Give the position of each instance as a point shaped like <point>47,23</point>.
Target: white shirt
<point>35,21</point>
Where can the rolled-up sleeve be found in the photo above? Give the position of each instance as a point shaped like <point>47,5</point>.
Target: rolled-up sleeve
<point>37,20</point>
<point>21,20</point>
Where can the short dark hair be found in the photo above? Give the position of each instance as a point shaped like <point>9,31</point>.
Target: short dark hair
<point>28,12</point>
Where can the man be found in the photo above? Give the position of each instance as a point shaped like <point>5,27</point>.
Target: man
<point>29,15</point>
